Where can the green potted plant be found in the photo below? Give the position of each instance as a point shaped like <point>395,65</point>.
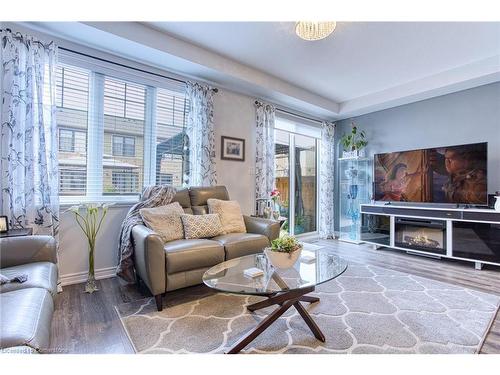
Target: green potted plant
<point>284,251</point>
<point>354,142</point>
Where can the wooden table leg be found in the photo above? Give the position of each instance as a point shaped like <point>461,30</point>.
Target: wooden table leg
<point>261,327</point>
<point>309,321</point>
<point>277,299</point>
<point>309,299</point>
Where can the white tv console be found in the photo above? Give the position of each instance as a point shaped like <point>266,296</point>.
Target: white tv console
<point>469,234</point>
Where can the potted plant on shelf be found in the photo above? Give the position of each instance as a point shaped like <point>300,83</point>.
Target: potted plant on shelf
<point>89,218</point>
<point>284,251</point>
<point>354,143</point>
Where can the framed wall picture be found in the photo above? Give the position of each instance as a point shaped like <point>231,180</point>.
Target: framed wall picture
<point>4,224</point>
<point>232,148</point>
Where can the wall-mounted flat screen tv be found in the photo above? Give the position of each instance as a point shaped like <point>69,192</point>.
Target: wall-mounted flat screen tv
<point>454,174</point>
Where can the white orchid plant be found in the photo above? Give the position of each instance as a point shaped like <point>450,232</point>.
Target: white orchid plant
<point>89,217</point>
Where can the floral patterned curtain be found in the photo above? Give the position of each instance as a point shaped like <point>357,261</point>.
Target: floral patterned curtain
<point>326,181</point>
<point>29,167</point>
<point>264,155</point>
<point>201,137</point>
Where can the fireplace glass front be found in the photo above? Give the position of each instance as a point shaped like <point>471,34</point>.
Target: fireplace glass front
<point>421,234</point>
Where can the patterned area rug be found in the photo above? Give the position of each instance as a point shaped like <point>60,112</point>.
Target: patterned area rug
<point>366,310</point>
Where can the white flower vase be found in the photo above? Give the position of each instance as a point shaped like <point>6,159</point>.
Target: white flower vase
<point>497,203</point>
<point>282,260</point>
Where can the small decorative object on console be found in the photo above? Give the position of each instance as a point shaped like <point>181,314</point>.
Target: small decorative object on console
<point>276,198</point>
<point>284,252</point>
<point>90,221</point>
<point>4,224</point>
<point>497,203</point>
<point>253,272</point>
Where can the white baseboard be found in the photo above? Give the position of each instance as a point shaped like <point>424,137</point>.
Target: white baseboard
<point>81,277</point>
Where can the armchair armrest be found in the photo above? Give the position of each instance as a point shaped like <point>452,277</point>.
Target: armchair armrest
<point>266,227</point>
<point>15,251</point>
<point>149,256</point>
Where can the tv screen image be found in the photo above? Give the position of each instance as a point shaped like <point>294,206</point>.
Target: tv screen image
<point>454,174</point>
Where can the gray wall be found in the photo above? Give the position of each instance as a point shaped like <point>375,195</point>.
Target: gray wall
<point>467,116</point>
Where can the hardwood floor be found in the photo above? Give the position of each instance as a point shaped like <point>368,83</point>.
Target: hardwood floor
<point>86,323</point>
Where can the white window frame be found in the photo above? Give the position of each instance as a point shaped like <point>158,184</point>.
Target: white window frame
<point>98,69</point>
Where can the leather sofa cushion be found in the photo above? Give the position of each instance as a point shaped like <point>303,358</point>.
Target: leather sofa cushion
<point>184,255</point>
<point>199,195</point>
<point>200,210</point>
<point>40,275</point>
<point>241,244</point>
<point>164,220</point>
<point>182,196</point>
<point>26,318</point>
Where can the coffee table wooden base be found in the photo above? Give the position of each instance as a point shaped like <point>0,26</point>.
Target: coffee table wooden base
<point>285,300</point>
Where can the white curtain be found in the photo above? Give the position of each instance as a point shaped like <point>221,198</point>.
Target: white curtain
<point>326,181</point>
<point>264,153</point>
<point>29,167</point>
<point>201,136</point>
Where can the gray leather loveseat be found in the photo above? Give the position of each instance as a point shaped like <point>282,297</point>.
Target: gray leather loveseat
<point>177,264</point>
<point>26,308</point>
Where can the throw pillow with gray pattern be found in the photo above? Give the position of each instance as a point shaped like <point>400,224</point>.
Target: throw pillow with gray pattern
<point>164,220</point>
<point>201,226</point>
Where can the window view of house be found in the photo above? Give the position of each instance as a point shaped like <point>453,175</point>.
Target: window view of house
<point>72,98</point>
<point>123,138</point>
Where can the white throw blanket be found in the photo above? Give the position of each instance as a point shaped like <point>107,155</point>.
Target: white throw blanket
<point>152,196</point>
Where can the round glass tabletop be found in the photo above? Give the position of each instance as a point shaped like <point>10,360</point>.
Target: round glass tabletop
<point>313,268</point>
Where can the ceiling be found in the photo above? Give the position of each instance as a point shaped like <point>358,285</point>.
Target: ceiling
<point>358,59</point>
<point>362,67</point>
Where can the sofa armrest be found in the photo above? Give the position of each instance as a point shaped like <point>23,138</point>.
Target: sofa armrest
<point>266,227</point>
<point>15,251</point>
<point>149,256</point>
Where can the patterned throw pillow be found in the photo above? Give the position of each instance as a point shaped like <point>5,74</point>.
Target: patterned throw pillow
<point>201,226</point>
<point>164,220</point>
<point>230,215</point>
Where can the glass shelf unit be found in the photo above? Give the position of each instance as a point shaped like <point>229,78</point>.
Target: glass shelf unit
<point>355,183</point>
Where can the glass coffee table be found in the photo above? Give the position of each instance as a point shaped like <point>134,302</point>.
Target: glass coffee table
<point>282,287</point>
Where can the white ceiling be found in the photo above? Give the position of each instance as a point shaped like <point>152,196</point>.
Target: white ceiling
<point>362,67</point>
<point>358,59</point>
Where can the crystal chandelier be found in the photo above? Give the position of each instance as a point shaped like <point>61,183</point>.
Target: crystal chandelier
<point>314,30</point>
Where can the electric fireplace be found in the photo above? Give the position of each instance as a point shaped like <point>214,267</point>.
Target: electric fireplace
<point>421,234</point>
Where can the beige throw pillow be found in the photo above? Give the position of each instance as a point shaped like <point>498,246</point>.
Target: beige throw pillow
<point>164,220</point>
<point>230,215</point>
<point>201,226</point>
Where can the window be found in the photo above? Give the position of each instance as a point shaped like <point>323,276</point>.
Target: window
<point>72,181</point>
<point>71,140</point>
<point>171,140</point>
<point>117,132</point>
<point>123,146</point>
<point>72,92</point>
<point>164,179</point>
<point>296,159</point>
<point>124,182</point>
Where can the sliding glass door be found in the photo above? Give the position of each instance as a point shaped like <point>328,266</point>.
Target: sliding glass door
<point>305,184</point>
<point>296,179</point>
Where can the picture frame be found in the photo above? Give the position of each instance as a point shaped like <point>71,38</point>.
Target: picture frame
<point>4,224</point>
<point>232,148</point>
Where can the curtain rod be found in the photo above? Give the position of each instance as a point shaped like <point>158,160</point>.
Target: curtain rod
<point>128,67</point>
<point>295,114</point>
